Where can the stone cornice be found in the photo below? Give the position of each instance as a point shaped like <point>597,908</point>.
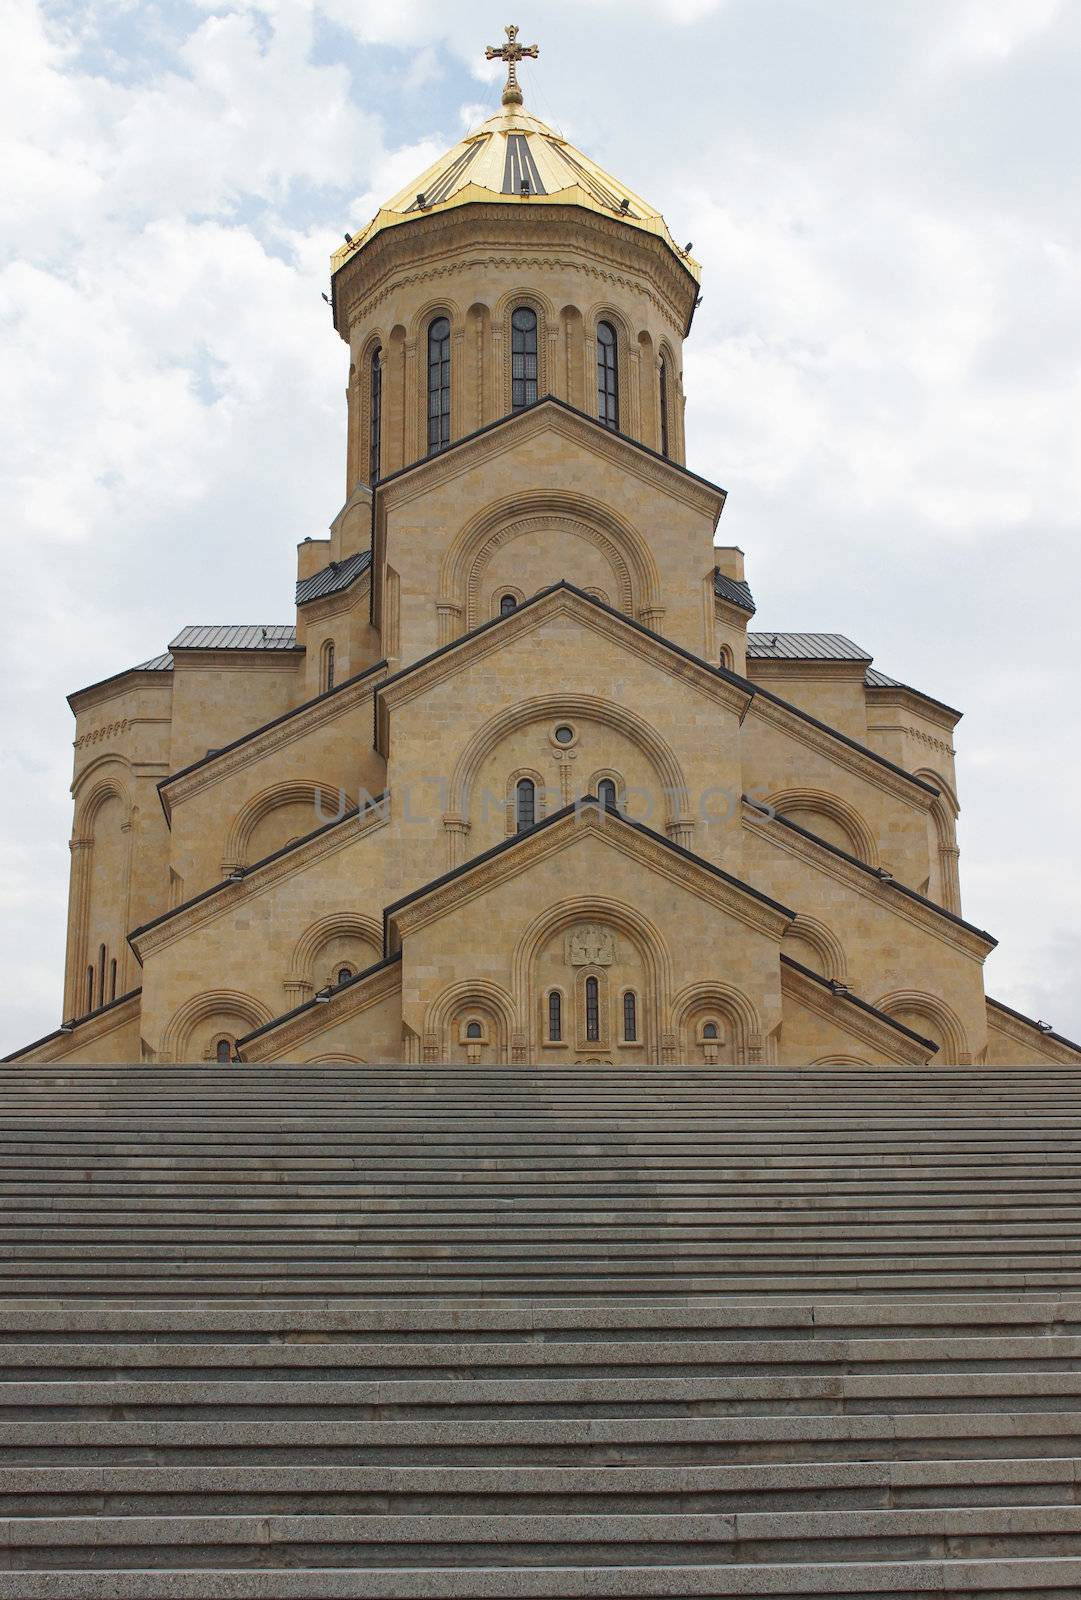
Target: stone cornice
<point>273,737</point>
<point>866,1026</point>
<point>464,653</point>
<point>346,1001</point>
<point>911,700</point>
<point>470,238</point>
<point>135,679</point>
<point>727,611</point>
<point>843,751</point>
<point>560,832</point>
<point>1022,1031</point>
<point>432,474</point>
<point>289,660</point>
<point>226,897</point>
<point>83,1030</point>
<point>864,881</point>
<point>339,603</point>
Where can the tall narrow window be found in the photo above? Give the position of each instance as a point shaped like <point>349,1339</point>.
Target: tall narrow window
<point>555,1016</point>
<point>630,1016</point>
<point>523,358</point>
<point>438,385</point>
<point>593,1010</point>
<point>507,604</point>
<point>344,974</point>
<point>223,1051</point>
<point>664,406</point>
<point>607,376</point>
<point>525,795</point>
<point>90,988</point>
<point>101,974</point>
<point>112,979</point>
<point>375,415</point>
<point>608,795</point>
<point>328,664</point>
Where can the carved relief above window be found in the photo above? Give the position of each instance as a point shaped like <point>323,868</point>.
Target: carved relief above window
<point>590,945</point>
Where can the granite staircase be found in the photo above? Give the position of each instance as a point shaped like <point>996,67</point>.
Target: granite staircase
<point>318,1332</point>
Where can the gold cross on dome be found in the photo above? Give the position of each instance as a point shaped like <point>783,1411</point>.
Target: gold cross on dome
<point>512,52</point>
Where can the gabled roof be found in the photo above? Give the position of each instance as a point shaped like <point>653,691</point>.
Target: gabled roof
<point>736,590</point>
<point>1040,1027</point>
<point>236,636</point>
<point>842,992</point>
<point>881,680</point>
<point>335,576</point>
<point>76,1022</point>
<point>803,647</point>
<point>768,814</point>
<point>588,802</point>
<point>162,663</point>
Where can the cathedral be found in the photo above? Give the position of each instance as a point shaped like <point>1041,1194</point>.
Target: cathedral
<point>522,784</point>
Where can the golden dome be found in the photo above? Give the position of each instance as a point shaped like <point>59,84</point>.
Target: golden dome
<point>515,159</point>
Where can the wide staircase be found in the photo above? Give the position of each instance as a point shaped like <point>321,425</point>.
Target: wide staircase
<point>318,1332</point>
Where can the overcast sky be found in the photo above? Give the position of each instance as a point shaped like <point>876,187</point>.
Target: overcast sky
<point>885,372</point>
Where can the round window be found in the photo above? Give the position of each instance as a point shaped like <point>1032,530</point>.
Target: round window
<point>564,734</point>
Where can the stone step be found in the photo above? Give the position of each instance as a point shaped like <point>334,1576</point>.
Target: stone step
<point>1053,1578</point>
<point>492,1398</point>
<point>1000,1435</point>
<point>382,1321</point>
<point>413,1491</point>
<point>541,1540</point>
<point>27,1362</point>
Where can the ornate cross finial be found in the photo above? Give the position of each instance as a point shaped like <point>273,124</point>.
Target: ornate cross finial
<point>511,52</point>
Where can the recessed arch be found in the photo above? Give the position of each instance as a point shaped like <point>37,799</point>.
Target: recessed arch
<point>802,804</point>
<point>553,707</point>
<point>635,576</point>
<point>722,1000</point>
<point>630,923</point>
<point>492,1002</point>
<point>215,1012</point>
<point>323,932</point>
<point>326,801</point>
<point>823,941</point>
<point>930,1016</point>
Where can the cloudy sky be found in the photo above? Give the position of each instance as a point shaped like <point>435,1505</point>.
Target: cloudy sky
<point>885,373</point>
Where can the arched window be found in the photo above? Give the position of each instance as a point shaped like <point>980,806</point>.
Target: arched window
<point>630,1015</point>
<point>555,1016</point>
<point>525,795</point>
<point>344,974</point>
<point>710,1031</point>
<point>473,1030</point>
<point>101,974</point>
<point>438,385</point>
<point>664,406</point>
<point>608,795</point>
<point>593,1009</point>
<point>607,376</point>
<point>507,604</point>
<point>112,979</point>
<point>90,988</point>
<point>375,414</point>
<point>223,1051</point>
<point>328,665</point>
<point>523,358</point>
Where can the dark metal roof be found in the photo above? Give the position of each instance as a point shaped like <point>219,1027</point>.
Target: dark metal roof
<point>330,579</point>
<point>162,663</point>
<point>1041,1027</point>
<point>842,992</point>
<point>236,636</point>
<point>803,647</point>
<point>733,589</point>
<point>881,680</point>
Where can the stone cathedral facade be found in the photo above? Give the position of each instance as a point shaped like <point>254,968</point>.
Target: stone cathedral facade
<point>523,783</point>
